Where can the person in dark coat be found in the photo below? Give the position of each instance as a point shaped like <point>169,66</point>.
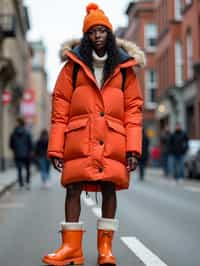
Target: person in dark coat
<point>166,150</point>
<point>179,144</point>
<point>21,145</point>
<point>41,157</point>
<point>145,155</point>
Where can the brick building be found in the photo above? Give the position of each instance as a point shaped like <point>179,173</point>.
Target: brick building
<point>178,50</point>
<point>169,33</point>
<point>142,29</point>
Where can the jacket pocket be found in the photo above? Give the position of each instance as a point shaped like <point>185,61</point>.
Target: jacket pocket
<point>77,124</point>
<point>77,139</point>
<point>116,127</point>
<point>115,143</point>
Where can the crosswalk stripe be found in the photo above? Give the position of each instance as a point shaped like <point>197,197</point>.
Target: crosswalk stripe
<point>88,201</point>
<point>97,211</point>
<point>142,252</point>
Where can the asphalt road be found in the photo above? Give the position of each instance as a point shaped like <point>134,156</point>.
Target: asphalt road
<point>159,224</point>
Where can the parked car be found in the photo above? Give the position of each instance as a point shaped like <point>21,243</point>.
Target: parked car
<point>192,160</point>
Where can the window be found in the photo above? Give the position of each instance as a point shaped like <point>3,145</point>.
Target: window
<point>178,8</point>
<point>150,32</point>
<point>178,64</point>
<point>37,60</point>
<point>188,2</point>
<point>189,54</point>
<point>151,88</point>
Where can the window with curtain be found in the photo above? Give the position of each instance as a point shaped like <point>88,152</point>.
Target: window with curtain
<point>150,32</point>
<point>151,88</point>
<point>178,9</point>
<point>178,63</point>
<point>189,54</point>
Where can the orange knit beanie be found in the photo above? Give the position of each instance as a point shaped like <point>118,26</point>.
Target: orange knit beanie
<point>95,16</point>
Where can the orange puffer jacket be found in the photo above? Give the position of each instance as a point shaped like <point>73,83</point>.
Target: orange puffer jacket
<point>92,128</point>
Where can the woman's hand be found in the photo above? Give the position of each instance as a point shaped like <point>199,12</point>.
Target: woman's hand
<point>57,163</point>
<point>132,163</point>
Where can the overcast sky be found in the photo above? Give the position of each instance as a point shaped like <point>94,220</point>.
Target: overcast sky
<point>57,21</point>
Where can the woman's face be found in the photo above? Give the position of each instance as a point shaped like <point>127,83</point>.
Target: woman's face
<point>98,36</point>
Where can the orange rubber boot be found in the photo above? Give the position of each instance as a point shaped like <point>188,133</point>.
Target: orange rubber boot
<point>70,251</point>
<point>106,228</point>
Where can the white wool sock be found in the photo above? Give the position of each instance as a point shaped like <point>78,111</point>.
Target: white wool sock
<point>107,224</point>
<point>72,226</point>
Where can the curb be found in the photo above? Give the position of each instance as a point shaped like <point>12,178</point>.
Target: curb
<point>7,187</point>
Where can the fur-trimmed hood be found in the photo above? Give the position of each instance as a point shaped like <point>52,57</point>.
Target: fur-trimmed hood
<point>131,48</point>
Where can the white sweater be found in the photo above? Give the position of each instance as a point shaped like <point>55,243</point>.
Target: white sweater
<point>98,63</point>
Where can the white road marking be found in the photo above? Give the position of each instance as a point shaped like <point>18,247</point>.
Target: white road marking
<point>91,203</point>
<point>97,211</point>
<point>11,205</point>
<point>142,252</point>
<point>193,189</point>
<point>88,201</point>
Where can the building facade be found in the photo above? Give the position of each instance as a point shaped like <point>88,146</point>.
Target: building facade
<point>178,52</point>
<point>142,29</point>
<point>169,33</point>
<point>14,56</point>
<point>40,118</point>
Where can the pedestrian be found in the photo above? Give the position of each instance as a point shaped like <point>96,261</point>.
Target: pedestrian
<point>142,163</point>
<point>41,157</point>
<point>179,149</point>
<point>22,147</point>
<point>166,151</point>
<point>155,155</point>
<point>96,131</point>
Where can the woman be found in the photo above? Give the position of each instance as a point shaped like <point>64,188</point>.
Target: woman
<point>41,157</point>
<point>95,137</point>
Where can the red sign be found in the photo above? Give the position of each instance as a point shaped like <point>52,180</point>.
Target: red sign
<point>29,96</point>
<point>6,97</point>
<point>28,104</point>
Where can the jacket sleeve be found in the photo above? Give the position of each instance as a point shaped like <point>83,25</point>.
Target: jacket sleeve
<point>133,113</point>
<point>60,111</point>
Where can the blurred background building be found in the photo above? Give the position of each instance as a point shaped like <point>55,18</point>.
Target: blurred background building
<point>40,116</point>
<point>169,33</point>
<point>17,76</point>
<point>142,29</point>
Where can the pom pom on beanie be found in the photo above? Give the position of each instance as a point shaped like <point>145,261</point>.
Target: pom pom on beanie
<point>91,6</point>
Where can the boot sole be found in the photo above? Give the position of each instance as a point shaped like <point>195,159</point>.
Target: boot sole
<point>75,261</point>
<point>106,262</point>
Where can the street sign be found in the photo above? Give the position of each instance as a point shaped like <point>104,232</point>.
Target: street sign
<point>28,96</point>
<point>6,97</point>
<point>28,104</point>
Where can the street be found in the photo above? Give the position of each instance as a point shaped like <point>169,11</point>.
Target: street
<point>159,224</point>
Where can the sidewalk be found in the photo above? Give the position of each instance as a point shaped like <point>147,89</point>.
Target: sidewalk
<point>7,180</point>
<point>157,174</point>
